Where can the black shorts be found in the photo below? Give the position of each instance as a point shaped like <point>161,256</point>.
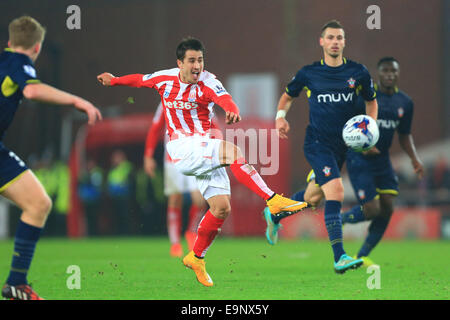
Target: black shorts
<point>11,167</point>
<point>371,176</point>
<point>325,159</point>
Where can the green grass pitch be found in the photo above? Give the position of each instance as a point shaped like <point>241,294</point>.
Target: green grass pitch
<point>242,269</point>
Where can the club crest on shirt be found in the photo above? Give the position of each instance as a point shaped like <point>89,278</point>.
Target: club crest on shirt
<point>326,171</point>
<point>192,96</point>
<point>400,112</point>
<point>361,194</point>
<point>351,83</point>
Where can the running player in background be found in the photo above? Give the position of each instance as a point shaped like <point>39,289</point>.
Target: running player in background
<point>17,183</point>
<point>188,94</point>
<point>175,185</point>
<point>332,86</point>
<point>373,179</point>
<point>371,173</point>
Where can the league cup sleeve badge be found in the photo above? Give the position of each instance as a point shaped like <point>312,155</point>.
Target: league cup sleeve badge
<point>326,171</point>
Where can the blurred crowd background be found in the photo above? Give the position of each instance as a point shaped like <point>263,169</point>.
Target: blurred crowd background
<point>96,177</point>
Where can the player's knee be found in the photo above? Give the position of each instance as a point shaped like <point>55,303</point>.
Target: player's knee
<point>386,211</point>
<point>386,205</point>
<point>221,211</point>
<point>337,194</point>
<point>45,205</point>
<point>334,190</point>
<point>39,209</point>
<point>371,209</point>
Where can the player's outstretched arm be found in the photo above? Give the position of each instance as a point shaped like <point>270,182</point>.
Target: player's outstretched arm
<point>131,80</point>
<point>44,93</point>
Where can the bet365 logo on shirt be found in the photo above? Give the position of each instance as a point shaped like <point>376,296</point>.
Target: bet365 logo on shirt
<point>178,104</point>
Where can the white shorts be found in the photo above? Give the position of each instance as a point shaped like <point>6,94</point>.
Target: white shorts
<point>199,157</point>
<point>175,182</point>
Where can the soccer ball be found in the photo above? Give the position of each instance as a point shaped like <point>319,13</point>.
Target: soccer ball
<point>360,133</point>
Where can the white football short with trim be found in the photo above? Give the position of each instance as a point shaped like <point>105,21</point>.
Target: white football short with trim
<point>199,156</point>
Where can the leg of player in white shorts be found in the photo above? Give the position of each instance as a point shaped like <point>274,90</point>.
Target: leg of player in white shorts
<point>206,159</point>
<point>175,185</point>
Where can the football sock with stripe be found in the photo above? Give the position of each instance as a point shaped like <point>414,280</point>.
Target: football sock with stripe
<point>207,231</point>
<point>249,177</point>
<point>354,215</point>
<point>334,227</point>
<point>376,230</point>
<point>24,246</point>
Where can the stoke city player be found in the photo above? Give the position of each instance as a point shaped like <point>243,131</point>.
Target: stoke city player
<point>188,94</point>
<point>175,186</point>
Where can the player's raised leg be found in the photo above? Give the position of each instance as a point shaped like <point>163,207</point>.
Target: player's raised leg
<point>246,174</point>
<point>29,195</point>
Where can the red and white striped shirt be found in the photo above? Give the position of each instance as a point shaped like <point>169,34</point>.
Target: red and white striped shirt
<point>188,108</point>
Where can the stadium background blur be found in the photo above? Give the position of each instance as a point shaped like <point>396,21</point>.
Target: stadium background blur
<point>254,44</point>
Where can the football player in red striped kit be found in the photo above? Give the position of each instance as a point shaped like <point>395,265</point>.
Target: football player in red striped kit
<point>188,94</point>
<point>175,186</point>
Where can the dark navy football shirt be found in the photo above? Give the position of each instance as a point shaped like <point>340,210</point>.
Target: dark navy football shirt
<point>332,95</point>
<point>16,71</point>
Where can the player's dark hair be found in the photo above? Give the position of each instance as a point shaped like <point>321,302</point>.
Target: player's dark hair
<point>189,44</point>
<point>333,24</point>
<point>386,59</point>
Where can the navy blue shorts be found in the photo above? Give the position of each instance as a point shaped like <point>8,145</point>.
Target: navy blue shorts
<point>11,166</point>
<point>371,176</point>
<point>325,159</point>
